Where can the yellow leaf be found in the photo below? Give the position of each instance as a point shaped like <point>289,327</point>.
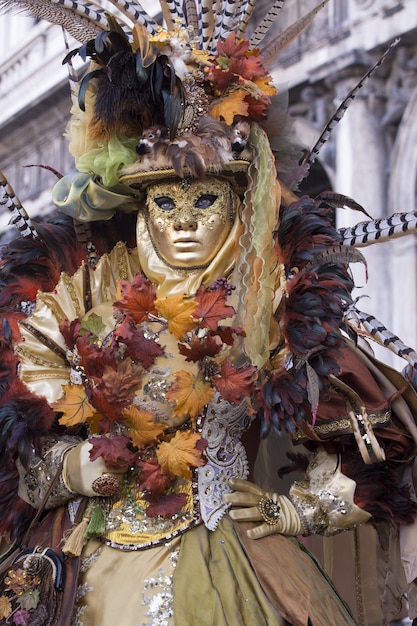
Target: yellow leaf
<point>142,428</point>
<point>177,456</point>
<point>74,405</point>
<point>231,105</point>
<point>189,394</point>
<point>5,607</point>
<point>178,313</point>
<point>263,83</point>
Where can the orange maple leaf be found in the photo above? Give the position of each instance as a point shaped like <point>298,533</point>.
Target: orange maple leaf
<point>180,453</point>
<point>263,83</point>
<point>229,106</point>
<point>142,429</point>
<point>74,406</point>
<point>5,607</point>
<point>178,313</point>
<point>189,394</point>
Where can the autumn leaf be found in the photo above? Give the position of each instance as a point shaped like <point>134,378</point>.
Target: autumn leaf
<point>111,411</point>
<point>138,347</point>
<point>93,325</point>
<point>264,85</point>
<point>70,331</point>
<point>74,406</point>
<point>113,449</point>
<point>232,47</point>
<point>167,505</point>
<point>5,607</point>
<point>137,301</point>
<point>198,348</point>
<point>180,453</point>
<point>189,394</point>
<point>226,333</point>
<point>212,307</point>
<point>178,313</point>
<point>120,386</point>
<point>153,480</point>
<point>29,600</point>
<point>94,359</point>
<point>233,384</point>
<point>142,429</point>
<point>229,106</point>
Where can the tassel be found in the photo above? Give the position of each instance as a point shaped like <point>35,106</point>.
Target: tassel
<point>97,523</point>
<point>75,539</point>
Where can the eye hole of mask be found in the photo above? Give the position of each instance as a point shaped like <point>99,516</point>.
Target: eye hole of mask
<point>205,201</point>
<point>165,203</point>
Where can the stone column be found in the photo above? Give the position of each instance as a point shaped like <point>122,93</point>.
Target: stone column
<point>361,173</point>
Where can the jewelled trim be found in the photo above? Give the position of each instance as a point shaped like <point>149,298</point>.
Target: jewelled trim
<point>50,301</point>
<point>46,341</point>
<point>69,286</point>
<point>343,424</point>
<point>37,360</point>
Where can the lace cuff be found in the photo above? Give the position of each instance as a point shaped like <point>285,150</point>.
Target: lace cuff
<point>34,484</point>
<point>324,500</point>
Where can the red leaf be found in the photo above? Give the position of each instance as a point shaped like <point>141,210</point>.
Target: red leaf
<point>113,449</point>
<point>233,384</point>
<point>94,359</point>
<point>111,411</point>
<point>232,47</point>
<point>153,480</point>
<point>226,333</point>
<point>138,299</point>
<point>167,505</point>
<point>138,347</point>
<point>212,307</point>
<point>70,331</point>
<point>198,348</point>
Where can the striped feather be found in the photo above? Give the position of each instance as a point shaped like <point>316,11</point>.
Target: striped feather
<point>284,38</point>
<point>342,108</point>
<point>171,12</point>
<point>191,17</point>
<point>20,218</point>
<point>135,12</point>
<point>376,231</point>
<point>245,18</point>
<point>266,24</point>
<point>381,335</point>
<point>81,20</point>
<point>229,20</point>
<point>335,255</point>
<point>208,11</point>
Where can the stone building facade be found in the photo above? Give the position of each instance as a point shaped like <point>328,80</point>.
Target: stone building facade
<point>371,156</point>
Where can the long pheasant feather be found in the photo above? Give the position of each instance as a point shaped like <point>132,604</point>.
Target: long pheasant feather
<point>20,218</point>
<point>266,23</point>
<point>135,12</point>
<point>245,18</point>
<point>284,38</point>
<point>381,335</point>
<point>81,20</point>
<point>376,231</point>
<point>171,12</point>
<point>342,108</point>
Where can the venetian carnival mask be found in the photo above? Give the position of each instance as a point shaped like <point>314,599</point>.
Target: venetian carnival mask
<point>189,221</point>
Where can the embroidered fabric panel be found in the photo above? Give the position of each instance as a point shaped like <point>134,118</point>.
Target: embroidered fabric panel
<point>223,427</point>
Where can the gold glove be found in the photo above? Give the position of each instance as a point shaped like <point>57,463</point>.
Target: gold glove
<point>276,513</point>
<point>86,477</point>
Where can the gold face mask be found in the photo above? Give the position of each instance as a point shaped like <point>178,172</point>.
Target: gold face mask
<point>189,221</point>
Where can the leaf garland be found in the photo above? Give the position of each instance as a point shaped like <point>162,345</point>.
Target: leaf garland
<point>109,368</point>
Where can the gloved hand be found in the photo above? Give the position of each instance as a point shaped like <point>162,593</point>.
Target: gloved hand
<point>276,513</point>
<point>86,477</point>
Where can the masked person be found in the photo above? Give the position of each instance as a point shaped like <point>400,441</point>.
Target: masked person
<point>205,311</point>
